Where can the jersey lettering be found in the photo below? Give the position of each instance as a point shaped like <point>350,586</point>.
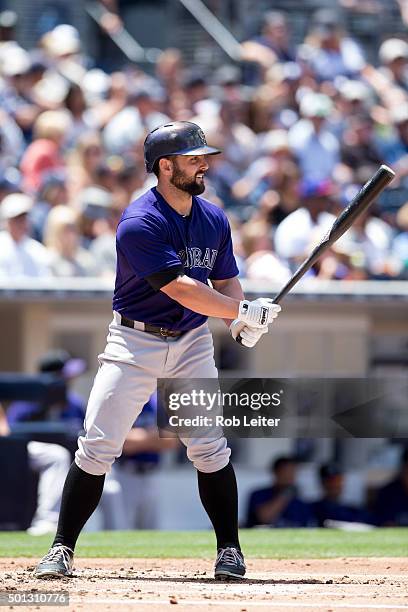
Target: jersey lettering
<point>192,257</point>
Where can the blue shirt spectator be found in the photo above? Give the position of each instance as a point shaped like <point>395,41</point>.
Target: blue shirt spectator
<point>279,504</point>
<point>72,410</point>
<point>391,507</point>
<point>330,506</point>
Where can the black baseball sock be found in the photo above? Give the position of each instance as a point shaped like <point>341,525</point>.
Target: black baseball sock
<point>219,496</point>
<point>81,495</point>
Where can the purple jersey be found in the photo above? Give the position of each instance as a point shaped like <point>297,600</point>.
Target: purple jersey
<point>152,237</point>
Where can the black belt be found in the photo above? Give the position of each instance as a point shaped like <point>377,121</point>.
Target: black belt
<point>151,329</point>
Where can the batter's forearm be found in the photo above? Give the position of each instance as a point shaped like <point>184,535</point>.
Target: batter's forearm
<point>200,298</point>
<point>230,287</point>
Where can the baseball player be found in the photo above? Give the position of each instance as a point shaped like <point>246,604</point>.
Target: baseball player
<point>170,244</point>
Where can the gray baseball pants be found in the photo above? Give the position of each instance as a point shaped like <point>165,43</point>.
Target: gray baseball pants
<point>129,367</point>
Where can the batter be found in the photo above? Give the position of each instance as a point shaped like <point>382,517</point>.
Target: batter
<point>170,244</point>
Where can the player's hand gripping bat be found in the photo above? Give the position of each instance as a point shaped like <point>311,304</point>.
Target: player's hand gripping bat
<point>344,221</point>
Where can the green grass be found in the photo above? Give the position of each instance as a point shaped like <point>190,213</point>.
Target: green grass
<point>262,543</point>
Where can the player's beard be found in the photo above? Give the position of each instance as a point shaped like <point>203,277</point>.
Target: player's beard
<point>190,185</point>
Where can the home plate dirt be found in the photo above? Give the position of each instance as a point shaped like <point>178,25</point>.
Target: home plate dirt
<point>147,585</point>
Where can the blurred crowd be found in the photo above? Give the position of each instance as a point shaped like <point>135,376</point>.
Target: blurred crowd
<point>281,505</point>
<point>301,127</point>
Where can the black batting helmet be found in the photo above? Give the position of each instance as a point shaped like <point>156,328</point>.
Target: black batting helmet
<point>177,138</point>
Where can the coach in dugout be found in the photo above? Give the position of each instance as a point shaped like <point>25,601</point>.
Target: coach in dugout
<point>331,506</point>
<point>279,504</point>
<point>391,507</point>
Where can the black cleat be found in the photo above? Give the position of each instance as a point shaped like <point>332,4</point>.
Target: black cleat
<point>57,563</point>
<point>229,564</point>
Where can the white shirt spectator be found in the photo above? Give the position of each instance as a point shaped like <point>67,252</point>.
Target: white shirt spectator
<point>264,265</point>
<point>293,234</point>
<point>27,257</point>
<point>126,128</point>
<point>11,142</point>
<point>348,61</point>
<point>82,264</point>
<point>103,248</point>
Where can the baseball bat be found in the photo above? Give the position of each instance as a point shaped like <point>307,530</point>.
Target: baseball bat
<point>361,201</point>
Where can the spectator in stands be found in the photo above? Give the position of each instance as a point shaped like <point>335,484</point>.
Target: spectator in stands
<point>279,505</point>
<point>106,174</point>
<point>103,247</point>
<point>62,238</point>
<point>276,37</point>
<point>330,506</point>
<point>273,44</point>
<point>9,183</point>
<point>139,116</point>
<point>60,364</point>
<point>83,163</point>
<point>62,46</point>
<point>393,55</point>
<point>278,97</point>
<point>51,462</point>
<point>82,120</point>
<point>105,95</point>
<point>368,242</point>
<point>238,140</point>
<point>329,51</point>
<point>261,263</point>
<point>223,176</point>
<point>44,154</point>
<point>195,88</point>
<point>20,255</point>
<point>169,68</point>
<point>130,178</point>
<point>52,192</point>
<point>395,149</point>
<point>359,148</point>
<point>354,98</point>
<point>95,204</point>
<point>8,23</point>
<point>273,172</point>
<point>391,507</point>
<point>293,235</point>
<point>11,142</point>
<point>16,97</point>
<point>313,143</point>
<point>400,242</point>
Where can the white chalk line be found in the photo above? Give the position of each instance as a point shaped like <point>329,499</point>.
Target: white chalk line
<point>238,602</point>
<point>274,590</point>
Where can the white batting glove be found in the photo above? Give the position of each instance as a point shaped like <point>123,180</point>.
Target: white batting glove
<point>249,335</point>
<point>259,313</point>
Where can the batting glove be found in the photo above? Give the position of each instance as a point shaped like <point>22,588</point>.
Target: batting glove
<point>259,313</point>
<point>249,335</point>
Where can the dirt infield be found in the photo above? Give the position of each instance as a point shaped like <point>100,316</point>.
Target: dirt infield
<point>148,585</point>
